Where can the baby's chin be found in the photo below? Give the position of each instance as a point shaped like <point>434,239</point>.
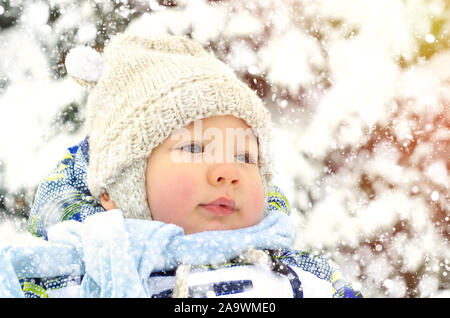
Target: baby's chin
<point>218,226</point>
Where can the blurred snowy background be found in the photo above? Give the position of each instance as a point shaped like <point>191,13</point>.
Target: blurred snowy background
<point>359,92</point>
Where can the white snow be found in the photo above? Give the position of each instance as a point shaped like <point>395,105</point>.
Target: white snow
<point>243,24</point>
<point>287,60</point>
<point>27,109</point>
<point>13,231</point>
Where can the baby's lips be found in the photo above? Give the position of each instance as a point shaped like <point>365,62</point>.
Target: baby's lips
<point>222,201</point>
<point>220,210</point>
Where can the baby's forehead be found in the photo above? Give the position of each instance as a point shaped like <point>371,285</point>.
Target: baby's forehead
<point>226,127</point>
<point>223,121</point>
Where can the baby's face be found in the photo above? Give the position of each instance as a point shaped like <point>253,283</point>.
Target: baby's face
<point>212,159</point>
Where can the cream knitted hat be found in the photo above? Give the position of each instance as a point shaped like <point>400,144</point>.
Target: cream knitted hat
<point>142,90</point>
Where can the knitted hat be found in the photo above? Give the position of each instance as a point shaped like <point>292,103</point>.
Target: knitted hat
<point>142,90</point>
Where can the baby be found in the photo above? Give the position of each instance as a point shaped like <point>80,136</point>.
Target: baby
<point>176,139</point>
<point>183,188</point>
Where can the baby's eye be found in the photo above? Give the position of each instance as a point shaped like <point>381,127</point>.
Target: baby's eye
<point>193,147</point>
<point>246,158</point>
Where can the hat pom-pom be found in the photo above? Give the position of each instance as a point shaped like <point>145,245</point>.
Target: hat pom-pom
<point>84,64</point>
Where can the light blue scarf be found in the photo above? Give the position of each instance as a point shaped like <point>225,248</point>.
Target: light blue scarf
<point>117,255</point>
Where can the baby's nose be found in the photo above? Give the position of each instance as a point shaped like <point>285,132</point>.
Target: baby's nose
<point>225,173</point>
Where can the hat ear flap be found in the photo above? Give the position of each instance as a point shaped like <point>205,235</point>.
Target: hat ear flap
<point>84,65</point>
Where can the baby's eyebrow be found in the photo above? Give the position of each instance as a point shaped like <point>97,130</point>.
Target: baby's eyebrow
<point>187,134</point>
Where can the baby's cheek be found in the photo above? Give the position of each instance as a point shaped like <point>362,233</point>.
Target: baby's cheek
<point>173,197</point>
<point>256,200</point>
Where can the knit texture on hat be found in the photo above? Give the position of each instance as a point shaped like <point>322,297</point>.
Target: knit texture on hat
<point>148,88</point>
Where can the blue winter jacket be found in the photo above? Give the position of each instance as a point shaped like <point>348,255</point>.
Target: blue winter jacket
<point>64,195</point>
